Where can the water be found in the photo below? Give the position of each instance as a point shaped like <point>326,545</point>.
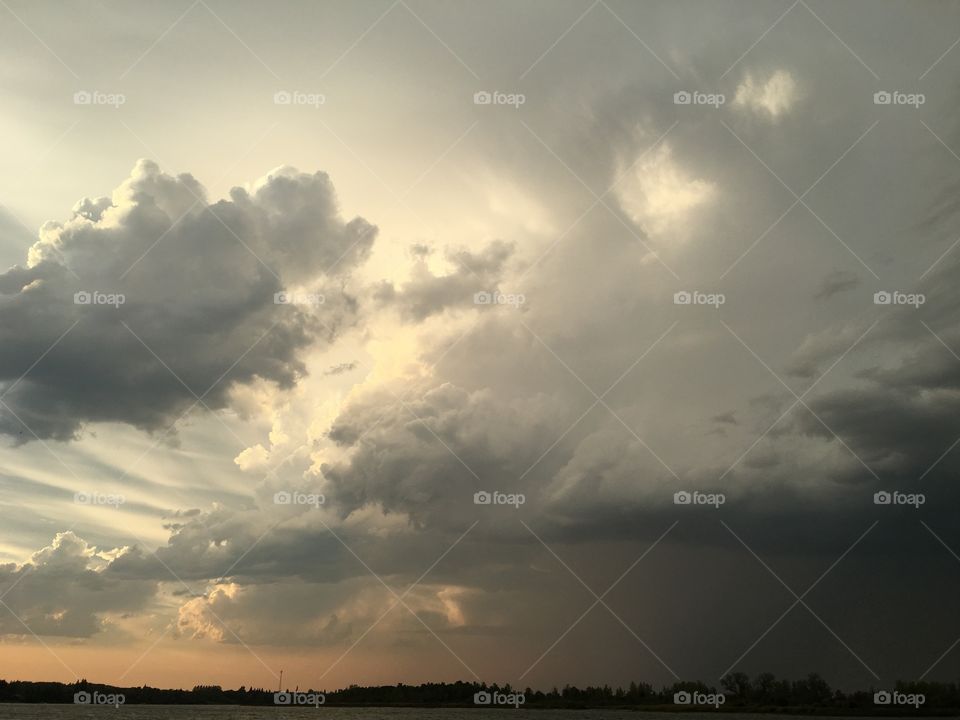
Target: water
<point>220,712</point>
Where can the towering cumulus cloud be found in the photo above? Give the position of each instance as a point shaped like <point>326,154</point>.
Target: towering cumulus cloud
<point>155,298</point>
<point>65,587</point>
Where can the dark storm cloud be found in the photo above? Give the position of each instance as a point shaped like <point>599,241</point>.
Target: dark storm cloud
<point>597,290</point>
<point>426,294</point>
<point>199,284</point>
<point>903,415</point>
<point>426,458</point>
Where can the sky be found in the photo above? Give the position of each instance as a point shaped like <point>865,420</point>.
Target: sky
<point>539,342</point>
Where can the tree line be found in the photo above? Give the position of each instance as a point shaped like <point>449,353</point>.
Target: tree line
<point>764,693</point>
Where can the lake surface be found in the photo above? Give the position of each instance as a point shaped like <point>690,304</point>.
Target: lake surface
<point>218,712</point>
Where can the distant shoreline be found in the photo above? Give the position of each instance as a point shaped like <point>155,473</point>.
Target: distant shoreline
<point>778,711</point>
<point>810,696</point>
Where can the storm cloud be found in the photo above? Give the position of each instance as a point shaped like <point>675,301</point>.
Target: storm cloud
<point>151,302</point>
